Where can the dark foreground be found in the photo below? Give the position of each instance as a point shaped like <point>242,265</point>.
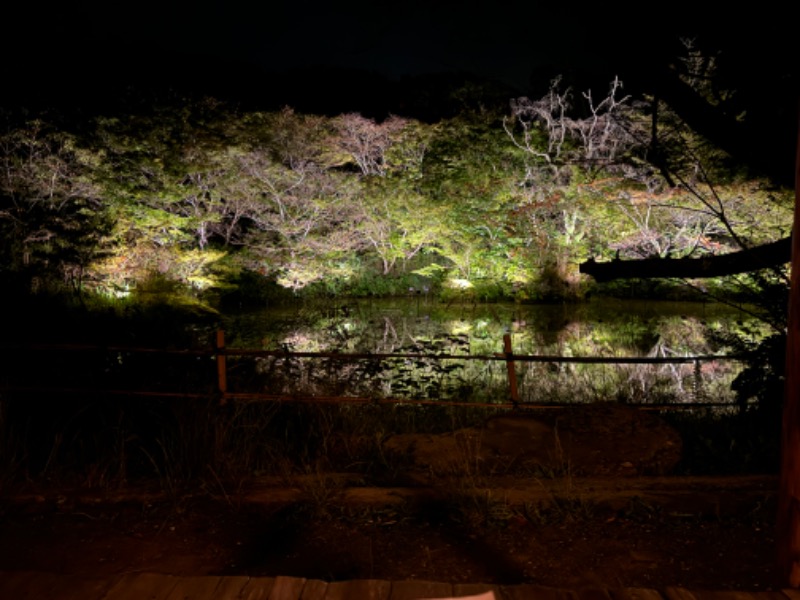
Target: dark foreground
<point>703,536</point>
<point>158,586</point>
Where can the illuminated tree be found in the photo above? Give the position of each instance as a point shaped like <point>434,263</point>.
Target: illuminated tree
<point>165,175</point>
<point>52,222</point>
<point>397,225</point>
<point>300,216</point>
<point>548,130</point>
<point>366,141</point>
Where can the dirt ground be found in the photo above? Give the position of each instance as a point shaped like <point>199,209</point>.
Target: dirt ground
<point>201,536</point>
<point>617,519</point>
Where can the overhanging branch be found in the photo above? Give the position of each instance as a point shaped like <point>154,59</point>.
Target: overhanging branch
<point>743,261</point>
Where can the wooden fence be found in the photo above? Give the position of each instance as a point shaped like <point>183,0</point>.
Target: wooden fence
<point>220,353</point>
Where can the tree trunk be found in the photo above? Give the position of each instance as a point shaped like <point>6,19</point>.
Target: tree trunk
<point>788,518</point>
<point>752,259</point>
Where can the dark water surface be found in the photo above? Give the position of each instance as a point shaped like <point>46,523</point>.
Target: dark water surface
<point>600,328</point>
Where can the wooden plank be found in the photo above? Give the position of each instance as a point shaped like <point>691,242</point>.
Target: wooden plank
<point>142,586</point>
<point>461,590</point>
<point>736,595</point>
<point>314,589</point>
<point>792,594</point>
<point>636,594</point>
<point>232,588</point>
<point>287,588</point>
<point>770,595</point>
<point>489,595</point>
<point>418,590</point>
<point>257,588</point>
<point>527,591</point>
<point>776,595</point>
<point>678,593</point>
<point>197,588</point>
<point>362,589</point>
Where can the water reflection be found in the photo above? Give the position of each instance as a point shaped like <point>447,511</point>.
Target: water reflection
<point>597,328</point>
<point>429,338</point>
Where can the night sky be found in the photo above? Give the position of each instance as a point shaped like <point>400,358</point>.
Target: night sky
<point>344,53</point>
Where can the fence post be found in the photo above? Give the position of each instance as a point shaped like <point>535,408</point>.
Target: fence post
<point>698,382</point>
<point>222,370</point>
<point>512,375</point>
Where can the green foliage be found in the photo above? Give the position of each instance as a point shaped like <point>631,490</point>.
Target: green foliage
<point>53,222</point>
<point>482,205</point>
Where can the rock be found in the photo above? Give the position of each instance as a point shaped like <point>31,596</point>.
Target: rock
<point>587,440</point>
<point>615,439</point>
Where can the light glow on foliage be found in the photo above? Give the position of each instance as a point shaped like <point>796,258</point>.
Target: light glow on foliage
<point>115,291</point>
<point>459,284</point>
<point>195,195</point>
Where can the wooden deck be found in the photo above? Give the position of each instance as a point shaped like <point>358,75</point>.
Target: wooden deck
<point>28,585</point>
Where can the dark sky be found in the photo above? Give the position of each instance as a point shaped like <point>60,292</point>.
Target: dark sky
<point>77,49</point>
<point>394,40</point>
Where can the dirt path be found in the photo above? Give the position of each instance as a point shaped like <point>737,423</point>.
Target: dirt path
<point>700,533</point>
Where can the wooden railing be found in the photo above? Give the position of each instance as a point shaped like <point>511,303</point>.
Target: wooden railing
<point>220,353</point>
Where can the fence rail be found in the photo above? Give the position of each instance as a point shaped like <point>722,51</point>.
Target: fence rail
<point>220,353</point>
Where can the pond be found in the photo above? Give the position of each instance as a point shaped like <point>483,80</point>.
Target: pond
<point>422,326</point>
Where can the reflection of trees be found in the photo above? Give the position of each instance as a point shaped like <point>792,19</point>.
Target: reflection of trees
<point>356,329</point>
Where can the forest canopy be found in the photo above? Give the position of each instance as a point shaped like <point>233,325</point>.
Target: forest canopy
<point>498,201</point>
